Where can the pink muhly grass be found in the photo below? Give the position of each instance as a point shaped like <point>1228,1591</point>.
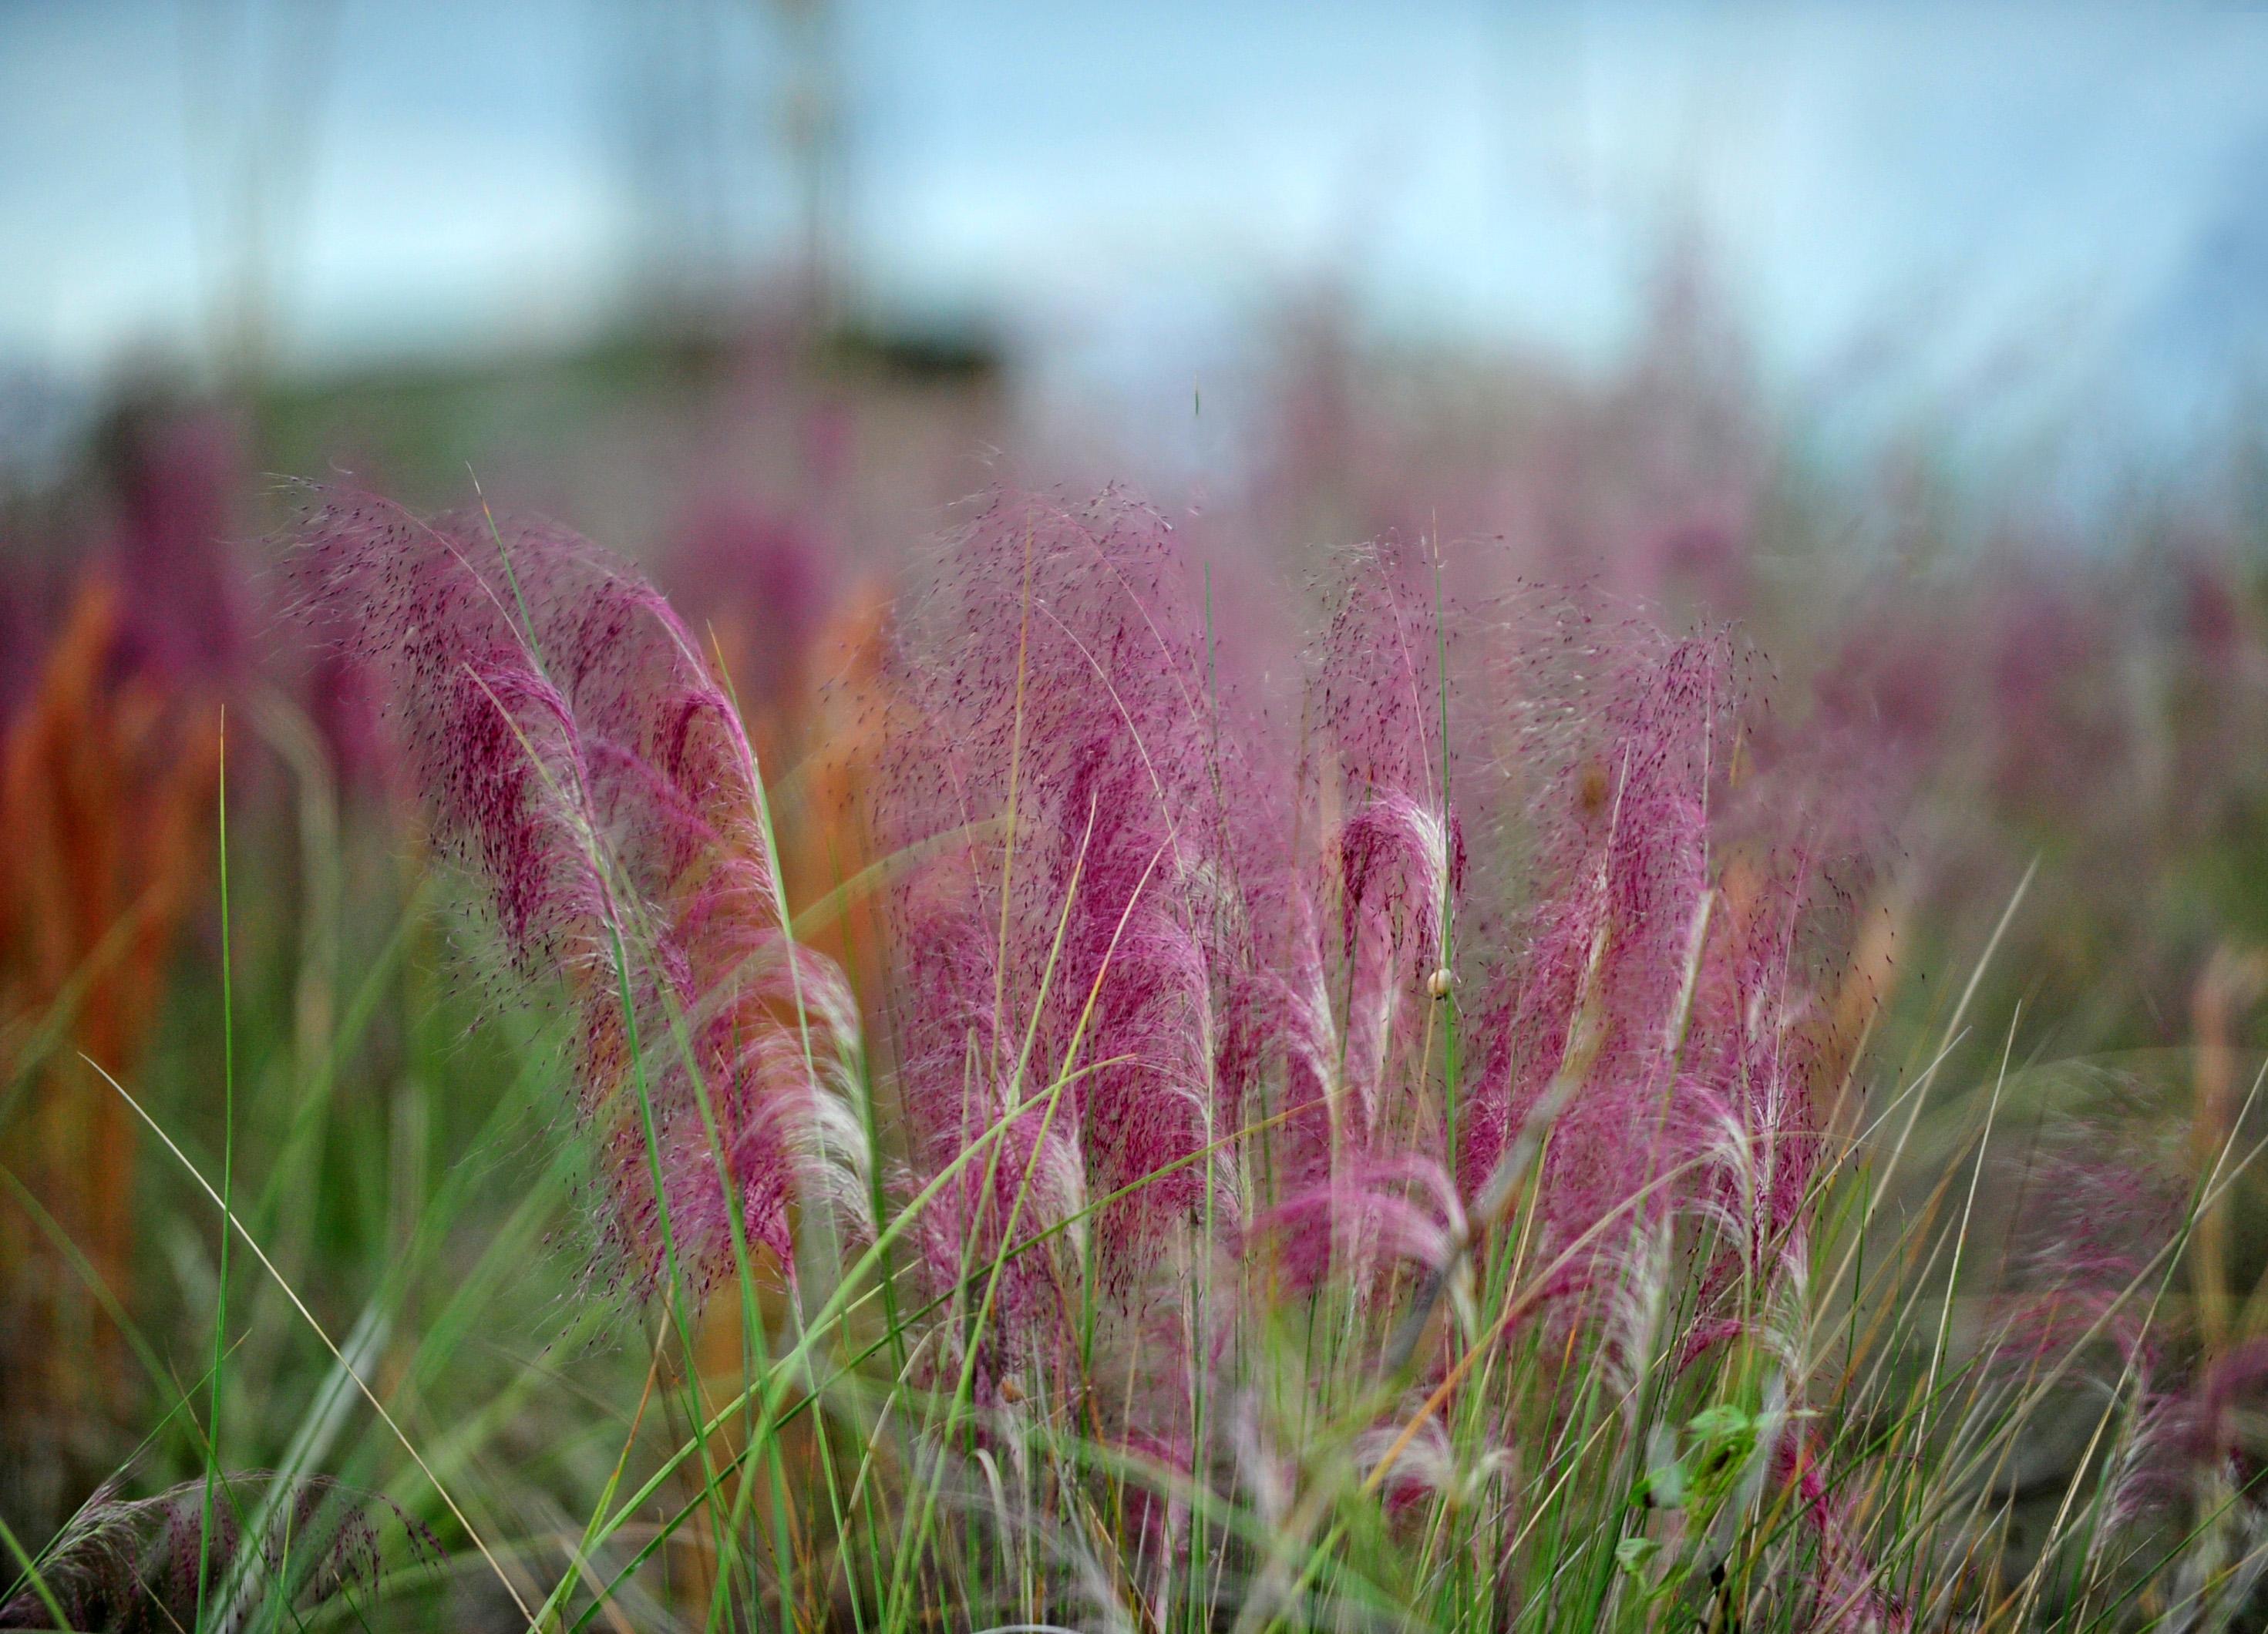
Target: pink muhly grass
<point>1066,943</point>
<point>135,1562</point>
<point>2086,1231</point>
<point>1383,1211</point>
<point>1401,864</point>
<point>1589,1037</point>
<point>1349,900</point>
<point>1847,1588</point>
<point>582,762</point>
<point>1429,1465</point>
<point>1649,1073</point>
<point>1373,712</point>
<point>1660,1013</point>
<point>1161,989</point>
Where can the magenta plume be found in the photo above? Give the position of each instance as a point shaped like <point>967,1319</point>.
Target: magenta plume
<point>1591,1028</point>
<point>1351,894</point>
<point>582,762</point>
<point>1067,940</point>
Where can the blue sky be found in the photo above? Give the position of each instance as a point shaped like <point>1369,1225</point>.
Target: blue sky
<point>1122,180</point>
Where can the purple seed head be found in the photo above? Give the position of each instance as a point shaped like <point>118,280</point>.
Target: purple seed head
<point>582,763</point>
<point>1065,944</point>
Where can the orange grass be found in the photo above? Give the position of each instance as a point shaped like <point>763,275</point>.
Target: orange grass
<point>105,797</point>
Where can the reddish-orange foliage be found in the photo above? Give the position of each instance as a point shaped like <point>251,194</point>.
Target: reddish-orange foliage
<point>105,793</point>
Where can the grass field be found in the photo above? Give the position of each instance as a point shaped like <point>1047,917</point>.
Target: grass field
<point>1104,1069</point>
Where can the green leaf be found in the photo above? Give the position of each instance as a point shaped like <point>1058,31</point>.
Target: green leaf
<point>1634,1554</point>
<point>1724,1422</point>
